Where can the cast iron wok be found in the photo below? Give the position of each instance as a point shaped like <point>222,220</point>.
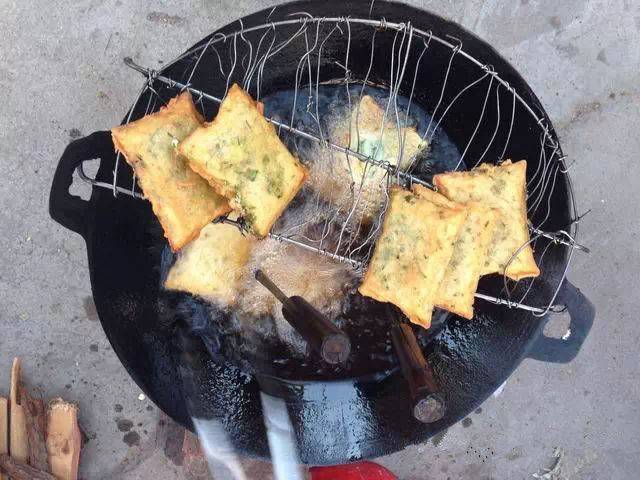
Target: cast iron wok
<point>338,418</point>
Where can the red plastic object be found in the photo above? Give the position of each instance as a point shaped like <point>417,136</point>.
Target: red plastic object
<point>353,471</point>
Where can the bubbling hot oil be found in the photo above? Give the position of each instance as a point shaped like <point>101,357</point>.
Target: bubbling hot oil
<point>321,281</point>
<point>252,329</point>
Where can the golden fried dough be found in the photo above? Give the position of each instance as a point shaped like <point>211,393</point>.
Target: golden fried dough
<point>503,188</point>
<point>412,253</point>
<point>433,197</point>
<point>348,182</point>
<point>242,157</point>
<point>377,136</point>
<point>460,281</point>
<point>182,200</point>
<point>213,265</point>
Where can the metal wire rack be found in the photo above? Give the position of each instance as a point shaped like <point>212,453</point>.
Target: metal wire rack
<point>244,60</point>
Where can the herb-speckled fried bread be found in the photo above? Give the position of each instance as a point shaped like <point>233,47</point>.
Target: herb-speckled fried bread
<point>504,189</point>
<point>240,154</point>
<point>412,253</point>
<point>368,128</point>
<point>182,200</point>
<point>213,264</point>
<point>460,280</point>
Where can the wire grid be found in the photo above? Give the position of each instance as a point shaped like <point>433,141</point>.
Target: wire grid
<point>246,64</point>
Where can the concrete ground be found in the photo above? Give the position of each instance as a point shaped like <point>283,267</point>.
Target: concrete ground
<point>61,76</point>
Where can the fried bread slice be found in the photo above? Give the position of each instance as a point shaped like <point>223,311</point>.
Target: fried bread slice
<point>378,136</point>
<point>460,280</point>
<point>412,253</point>
<point>213,265</point>
<point>358,185</point>
<point>182,200</point>
<point>503,188</point>
<point>240,154</point>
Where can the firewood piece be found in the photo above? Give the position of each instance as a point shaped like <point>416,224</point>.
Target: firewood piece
<point>35,417</point>
<point>21,471</point>
<point>63,439</point>
<point>18,440</point>
<point>4,431</point>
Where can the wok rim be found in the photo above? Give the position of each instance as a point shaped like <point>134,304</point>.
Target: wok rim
<point>571,200</point>
<point>570,204</point>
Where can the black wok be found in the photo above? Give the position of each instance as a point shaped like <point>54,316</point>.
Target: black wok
<point>352,414</point>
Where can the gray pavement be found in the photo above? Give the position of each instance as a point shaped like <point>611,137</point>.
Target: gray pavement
<point>61,76</point>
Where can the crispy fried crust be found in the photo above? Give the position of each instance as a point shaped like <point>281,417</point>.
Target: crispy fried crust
<point>241,156</point>
<point>366,130</point>
<point>183,201</point>
<point>433,197</point>
<point>213,264</point>
<point>460,282</point>
<point>375,134</point>
<point>411,255</point>
<point>503,188</point>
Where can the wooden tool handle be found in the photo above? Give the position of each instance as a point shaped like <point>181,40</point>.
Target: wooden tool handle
<point>428,404</point>
<point>324,337</point>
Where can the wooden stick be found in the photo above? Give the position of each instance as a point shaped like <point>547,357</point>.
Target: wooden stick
<point>428,405</point>
<point>324,337</point>
<point>18,440</point>
<point>4,431</point>
<point>35,417</point>
<point>21,471</point>
<point>63,439</point>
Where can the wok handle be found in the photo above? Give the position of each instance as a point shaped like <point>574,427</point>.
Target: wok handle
<point>428,405</point>
<point>582,313</point>
<point>69,210</point>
